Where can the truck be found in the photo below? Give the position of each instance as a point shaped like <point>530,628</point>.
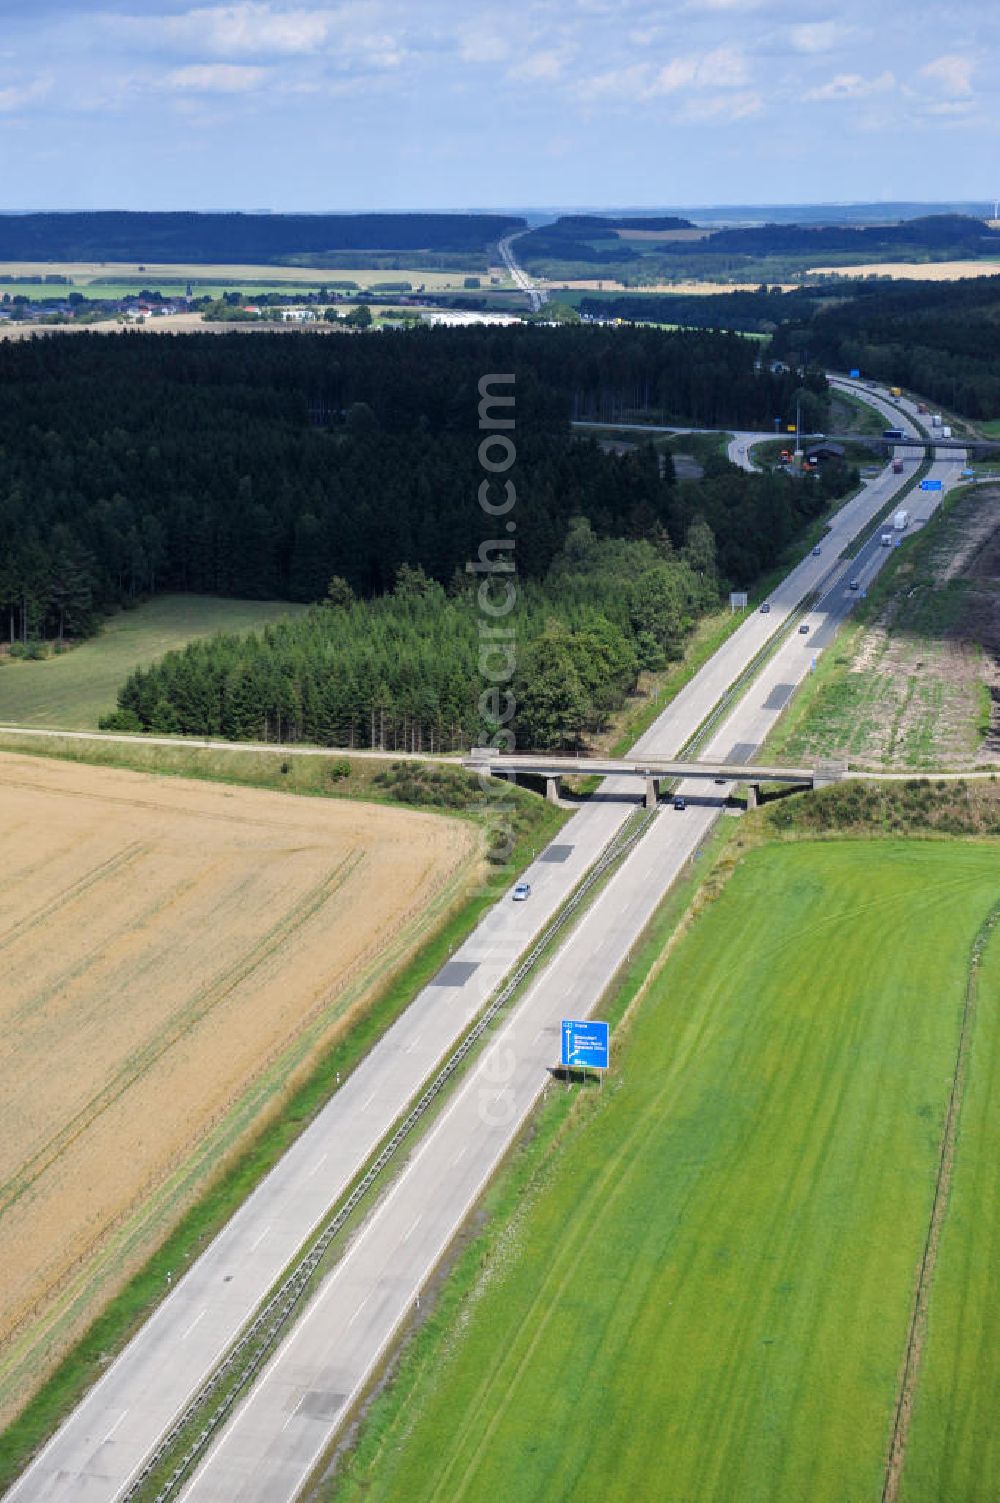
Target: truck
<point>935,419</point>
<point>945,431</point>
<point>887,540</point>
<point>895,391</point>
<point>894,433</point>
<point>897,467</point>
<point>900,519</point>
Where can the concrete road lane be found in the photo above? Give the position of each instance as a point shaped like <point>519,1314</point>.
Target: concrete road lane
<point>279,1433</point>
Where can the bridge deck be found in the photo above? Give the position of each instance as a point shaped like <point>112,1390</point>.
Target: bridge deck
<point>486,760</point>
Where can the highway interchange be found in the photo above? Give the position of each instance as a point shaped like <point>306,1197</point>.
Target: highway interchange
<point>279,1433</point>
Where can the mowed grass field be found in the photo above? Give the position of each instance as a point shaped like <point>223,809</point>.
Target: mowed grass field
<point>704,1294</point>
<point>73,690</point>
<point>174,956</point>
<point>954,1450</point>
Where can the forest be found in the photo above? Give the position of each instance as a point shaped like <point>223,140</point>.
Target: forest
<point>941,339</point>
<point>344,470</point>
<point>261,467</point>
<point>587,246</point>
<point>245,239</point>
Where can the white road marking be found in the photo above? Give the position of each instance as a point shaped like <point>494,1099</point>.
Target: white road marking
<point>319,1162</point>
<point>114,1427</point>
<point>187,1333</point>
<point>358,1310</point>
<point>254,1245</point>
<point>459,1155</point>
<point>412,1229</point>
<point>294,1412</point>
<point>366,1104</point>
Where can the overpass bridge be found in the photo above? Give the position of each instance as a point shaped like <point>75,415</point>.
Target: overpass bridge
<point>652,770</point>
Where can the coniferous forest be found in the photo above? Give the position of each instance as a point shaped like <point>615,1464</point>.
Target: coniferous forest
<point>267,466</point>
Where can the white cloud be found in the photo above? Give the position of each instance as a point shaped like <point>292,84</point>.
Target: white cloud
<point>14,96</point>
<point>539,67</point>
<point>216,78</point>
<point>853,86</point>
<point>952,71</point>
<point>482,44</point>
<point>723,68</point>
<point>814,37</point>
<point>723,109</point>
<point>249,27</point>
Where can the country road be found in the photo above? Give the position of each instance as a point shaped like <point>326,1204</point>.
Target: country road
<point>275,1436</point>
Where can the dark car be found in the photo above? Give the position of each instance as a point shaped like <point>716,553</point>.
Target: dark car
<point>855,584</point>
<point>680,803</point>
<point>803,628</point>
<point>765,609</point>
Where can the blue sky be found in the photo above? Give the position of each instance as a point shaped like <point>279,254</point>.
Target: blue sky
<point>382,104</point>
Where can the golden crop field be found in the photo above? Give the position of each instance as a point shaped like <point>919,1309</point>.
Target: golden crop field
<point>171,954</point>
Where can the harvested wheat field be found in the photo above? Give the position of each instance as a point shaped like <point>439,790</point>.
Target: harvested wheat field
<point>171,952</point>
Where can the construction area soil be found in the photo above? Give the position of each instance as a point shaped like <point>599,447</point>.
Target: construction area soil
<point>173,955</point>
<point>918,685</point>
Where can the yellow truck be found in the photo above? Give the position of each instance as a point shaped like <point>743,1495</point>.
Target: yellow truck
<point>895,391</point>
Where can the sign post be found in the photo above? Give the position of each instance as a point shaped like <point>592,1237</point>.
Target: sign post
<point>585,1045</point>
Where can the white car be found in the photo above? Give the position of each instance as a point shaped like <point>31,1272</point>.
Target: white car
<point>521,892</point>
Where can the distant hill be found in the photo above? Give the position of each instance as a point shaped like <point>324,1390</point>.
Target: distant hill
<point>240,238</point>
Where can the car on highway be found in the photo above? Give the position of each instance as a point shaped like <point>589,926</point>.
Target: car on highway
<point>803,628</point>
<point>855,584</point>
<point>521,892</point>
<point>817,552</point>
<point>680,803</point>
<point>765,609</point>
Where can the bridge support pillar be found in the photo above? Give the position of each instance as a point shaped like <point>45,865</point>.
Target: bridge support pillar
<point>752,792</point>
<point>553,787</point>
<point>652,792</point>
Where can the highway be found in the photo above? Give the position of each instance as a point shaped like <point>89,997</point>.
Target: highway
<point>536,295</point>
<point>275,1435</point>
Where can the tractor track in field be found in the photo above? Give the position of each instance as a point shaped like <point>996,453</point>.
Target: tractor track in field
<point>910,1377</point>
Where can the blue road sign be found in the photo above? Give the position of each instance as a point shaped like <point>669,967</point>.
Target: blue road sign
<point>855,375</point>
<point>930,485</point>
<point>585,1046</point>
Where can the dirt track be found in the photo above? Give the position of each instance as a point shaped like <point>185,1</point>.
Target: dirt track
<point>164,945</point>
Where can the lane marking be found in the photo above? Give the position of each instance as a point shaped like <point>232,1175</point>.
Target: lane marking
<point>319,1162</point>
<point>416,1223</point>
<point>366,1104</point>
<point>359,1310</point>
<point>187,1333</point>
<point>254,1245</point>
<point>114,1427</point>
<point>294,1412</point>
<point>459,1155</point>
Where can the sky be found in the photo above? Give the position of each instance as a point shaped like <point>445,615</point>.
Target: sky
<point>438,104</point>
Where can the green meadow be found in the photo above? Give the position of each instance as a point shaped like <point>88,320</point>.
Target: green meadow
<point>72,690</point>
<point>701,1291</point>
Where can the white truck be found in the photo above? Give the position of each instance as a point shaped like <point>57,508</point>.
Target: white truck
<point>900,519</point>
<point>945,431</point>
<point>887,540</point>
<point>935,419</point>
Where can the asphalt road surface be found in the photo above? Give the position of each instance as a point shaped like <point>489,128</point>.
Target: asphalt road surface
<point>272,1441</point>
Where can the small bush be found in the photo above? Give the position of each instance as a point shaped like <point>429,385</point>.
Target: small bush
<point>340,768</point>
<point>120,720</point>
